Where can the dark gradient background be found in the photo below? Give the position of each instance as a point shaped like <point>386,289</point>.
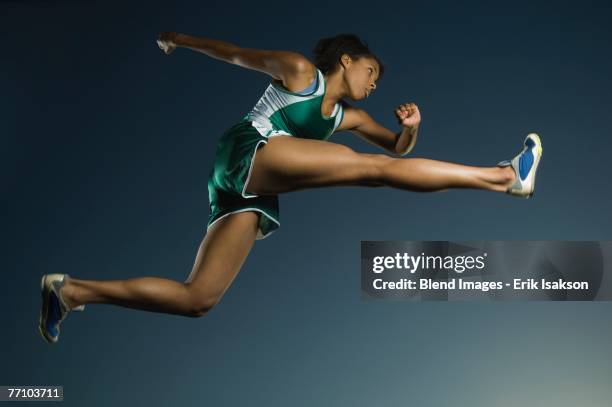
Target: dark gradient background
<point>106,148</point>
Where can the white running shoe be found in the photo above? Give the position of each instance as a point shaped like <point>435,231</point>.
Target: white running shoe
<point>54,310</point>
<point>525,166</point>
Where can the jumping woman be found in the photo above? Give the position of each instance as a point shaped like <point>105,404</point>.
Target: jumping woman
<point>280,146</point>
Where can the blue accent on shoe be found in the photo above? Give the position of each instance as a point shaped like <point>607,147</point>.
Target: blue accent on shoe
<point>526,161</point>
<point>54,315</point>
<point>525,166</point>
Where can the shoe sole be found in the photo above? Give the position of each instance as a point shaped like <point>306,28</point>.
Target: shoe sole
<point>44,312</point>
<point>540,151</point>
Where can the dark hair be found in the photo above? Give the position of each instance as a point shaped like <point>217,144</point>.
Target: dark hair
<point>328,51</point>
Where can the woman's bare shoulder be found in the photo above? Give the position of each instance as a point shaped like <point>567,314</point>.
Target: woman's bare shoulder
<point>300,75</point>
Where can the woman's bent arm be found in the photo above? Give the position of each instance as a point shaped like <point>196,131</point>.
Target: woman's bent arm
<point>359,122</point>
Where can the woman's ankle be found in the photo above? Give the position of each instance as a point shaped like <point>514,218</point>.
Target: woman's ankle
<point>510,176</point>
<point>67,294</point>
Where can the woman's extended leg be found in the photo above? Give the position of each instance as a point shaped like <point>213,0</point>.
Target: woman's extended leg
<point>288,163</point>
<point>220,257</point>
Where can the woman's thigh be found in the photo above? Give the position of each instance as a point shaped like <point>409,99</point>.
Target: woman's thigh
<point>221,255</point>
<point>289,163</point>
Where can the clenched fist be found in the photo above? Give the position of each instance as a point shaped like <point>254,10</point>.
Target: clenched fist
<point>165,42</point>
<point>408,115</point>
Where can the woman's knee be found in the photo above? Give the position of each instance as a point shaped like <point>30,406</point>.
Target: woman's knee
<point>375,169</point>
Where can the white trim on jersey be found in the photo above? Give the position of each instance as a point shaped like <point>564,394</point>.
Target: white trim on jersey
<point>259,235</point>
<point>275,98</point>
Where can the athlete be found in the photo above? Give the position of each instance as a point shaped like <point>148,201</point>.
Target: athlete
<point>282,145</point>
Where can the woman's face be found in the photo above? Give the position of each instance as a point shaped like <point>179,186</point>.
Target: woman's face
<point>360,76</point>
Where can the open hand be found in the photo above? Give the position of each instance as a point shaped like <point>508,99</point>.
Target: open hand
<point>165,42</point>
<point>408,115</point>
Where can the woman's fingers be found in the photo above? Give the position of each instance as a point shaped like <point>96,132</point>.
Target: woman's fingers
<point>165,41</point>
<point>407,106</point>
<point>406,109</point>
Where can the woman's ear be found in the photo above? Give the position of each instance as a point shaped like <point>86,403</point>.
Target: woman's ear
<point>345,60</point>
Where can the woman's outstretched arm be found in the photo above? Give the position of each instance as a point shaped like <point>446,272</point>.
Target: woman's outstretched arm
<point>281,65</point>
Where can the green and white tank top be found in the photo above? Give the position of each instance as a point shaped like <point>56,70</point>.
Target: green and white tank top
<point>280,111</point>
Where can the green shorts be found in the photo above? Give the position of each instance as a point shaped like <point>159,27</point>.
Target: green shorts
<point>228,179</point>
